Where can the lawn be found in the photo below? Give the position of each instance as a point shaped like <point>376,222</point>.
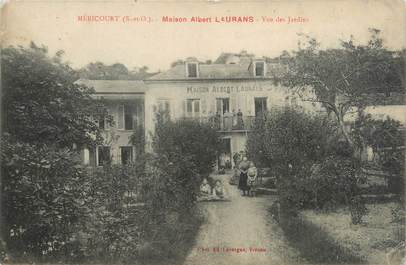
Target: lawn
<point>380,233</point>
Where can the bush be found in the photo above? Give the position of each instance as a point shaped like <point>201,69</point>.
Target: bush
<point>183,152</point>
<point>113,227</point>
<point>187,138</point>
<point>290,141</point>
<point>41,200</point>
<point>313,167</point>
<point>384,136</point>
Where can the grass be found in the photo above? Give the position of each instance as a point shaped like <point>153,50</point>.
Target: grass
<point>313,243</point>
<point>381,231</point>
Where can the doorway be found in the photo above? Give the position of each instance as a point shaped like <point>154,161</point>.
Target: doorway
<point>224,158</point>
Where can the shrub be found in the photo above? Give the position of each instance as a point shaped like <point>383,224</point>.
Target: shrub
<point>290,141</point>
<point>114,224</point>
<point>41,200</point>
<point>313,167</point>
<point>384,136</point>
<point>187,138</point>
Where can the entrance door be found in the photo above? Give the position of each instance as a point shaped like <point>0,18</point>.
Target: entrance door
<point>224,159</point>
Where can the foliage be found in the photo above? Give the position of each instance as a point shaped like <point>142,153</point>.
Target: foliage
<point>41,200</point>
<point>117,71</point>
<point>114,223</point>
<point>290,141</point>
<point>384,136</point>
<point>313,166</point>
<point>377,134</point>
<point>137,139</point>
<point>355,75</point>
<point>41,102</point>
<point>191,139</point>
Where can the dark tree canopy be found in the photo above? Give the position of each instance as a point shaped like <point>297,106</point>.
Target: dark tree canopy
<point>41,102</point>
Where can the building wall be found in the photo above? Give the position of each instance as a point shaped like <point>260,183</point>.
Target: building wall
<point>114,135</point>
<point>241,94</point>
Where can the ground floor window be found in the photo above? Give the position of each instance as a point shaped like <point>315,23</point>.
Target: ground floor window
<point>103,155</point>
<point>126,154</point>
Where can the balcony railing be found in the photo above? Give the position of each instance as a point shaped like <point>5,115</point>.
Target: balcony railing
<point>227,124</point>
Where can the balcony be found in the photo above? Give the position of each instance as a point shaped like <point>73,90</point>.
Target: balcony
<point>228,124</point>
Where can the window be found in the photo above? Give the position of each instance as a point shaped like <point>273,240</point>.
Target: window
<point>260,106</point>
<point>193,108</point>
<point>259,68</point>
<point>126,117</point>
<point>103,155</point>
<point>92,156</point>
<point>100,118</point>
<point>192,69</point>
<point>102,124</point>
<point>222,105</point>
<point>126,154</point>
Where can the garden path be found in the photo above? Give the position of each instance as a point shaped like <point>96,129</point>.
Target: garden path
<point>241,223</point>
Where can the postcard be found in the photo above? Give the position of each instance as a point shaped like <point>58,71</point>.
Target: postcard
<point>217,132</point>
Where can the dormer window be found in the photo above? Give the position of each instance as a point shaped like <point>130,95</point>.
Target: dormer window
<point>259,69</point>
<point>191,69</point>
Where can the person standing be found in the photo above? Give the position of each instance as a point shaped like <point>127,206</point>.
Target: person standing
<point>240,122</point>
<point>252,174</point>
<point>242,183</point>
<point>228,121</point>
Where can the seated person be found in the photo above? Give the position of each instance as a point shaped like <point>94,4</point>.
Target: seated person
<point>219,190</point>
<point>205,188</point>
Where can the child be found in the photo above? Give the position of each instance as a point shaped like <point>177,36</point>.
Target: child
<point>252,179</point>
<point>205,189</point>
<point>218,190</point>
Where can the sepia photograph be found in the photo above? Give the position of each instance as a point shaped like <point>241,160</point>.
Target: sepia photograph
<point>206,132</point>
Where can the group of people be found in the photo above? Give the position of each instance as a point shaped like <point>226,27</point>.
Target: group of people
<point>247,183</point>
<point>227,120</point>
<point>207,192</point>
<point>248,177</point>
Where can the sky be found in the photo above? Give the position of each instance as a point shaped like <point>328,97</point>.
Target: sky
<point>156,44</point>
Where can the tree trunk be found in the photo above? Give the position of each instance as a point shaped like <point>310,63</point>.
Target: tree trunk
<point>347,137</point>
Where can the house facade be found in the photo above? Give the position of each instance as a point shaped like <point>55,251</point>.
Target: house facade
<point>125,103</point>
<point>228,93</point>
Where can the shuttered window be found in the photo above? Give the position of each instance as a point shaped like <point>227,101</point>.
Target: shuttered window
<point>120,118</point>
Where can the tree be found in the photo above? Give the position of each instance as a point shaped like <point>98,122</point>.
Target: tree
<point>45,114</point>
<point>41,102</point>
<point>117,71</point>
<point>354,75</point>
<point>190,139</point>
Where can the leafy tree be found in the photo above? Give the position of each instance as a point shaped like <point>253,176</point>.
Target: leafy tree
<point>384,137</point>
<point>117,71</point>
<point>42,202</point>
<point>45,114</point>
<point>354,75</point>
<point>189,138</point>
<point>313,167</point>
<point>290,141</point>
<point>41,102</point>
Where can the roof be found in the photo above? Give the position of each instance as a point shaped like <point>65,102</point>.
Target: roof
<point>115,86</point>
<point>215,71</point>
